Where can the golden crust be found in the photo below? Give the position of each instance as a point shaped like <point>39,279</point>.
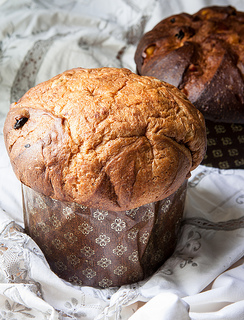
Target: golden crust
<point>104,138</point>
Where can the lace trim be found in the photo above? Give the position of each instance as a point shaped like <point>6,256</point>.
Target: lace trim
<point>202,223</point>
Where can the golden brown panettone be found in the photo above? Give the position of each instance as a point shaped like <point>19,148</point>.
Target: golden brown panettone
<point>116,149</point>
<point>104,138</point>
<point>203,55</point>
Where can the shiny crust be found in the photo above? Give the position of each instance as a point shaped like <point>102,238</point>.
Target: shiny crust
<point>105,138</point>
<point>203,55</point>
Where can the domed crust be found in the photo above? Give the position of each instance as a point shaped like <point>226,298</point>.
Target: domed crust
<point>105,138</point>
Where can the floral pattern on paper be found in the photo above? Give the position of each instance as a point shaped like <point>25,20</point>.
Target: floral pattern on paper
<point>89,273</point>
<point>54,221</point>
<point>44,227</point>
<point>119,250</point>
<point>87,251</point>
<point>85,228</point>
<point>73,260</point>
<point>165,206</point>
<point>68,213</point>
<point>100,215</point>
<point>149,214</point>
<point>118,225</point>
<point>120,270</point>
<point>133,233</point>
<point>132,213</point>
<point>134,256</point>
<point>144,238</point>
<point>104,262</point>
<point>105,283</point>
<point>75,280</point>
<point>60,266</point>
<point>102,240</point>
<point>58,244</point>
<point>70,237</point>
<point>40,203</point>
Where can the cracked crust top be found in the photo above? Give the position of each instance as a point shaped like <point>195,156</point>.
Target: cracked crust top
<point>104,138</point>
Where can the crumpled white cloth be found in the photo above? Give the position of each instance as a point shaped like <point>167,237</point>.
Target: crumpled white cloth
<point>203,280</point>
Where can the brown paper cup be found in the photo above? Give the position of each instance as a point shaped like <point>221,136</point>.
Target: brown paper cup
<point>101,248</point>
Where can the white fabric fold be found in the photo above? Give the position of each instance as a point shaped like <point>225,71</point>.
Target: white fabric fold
<point>165,305</point>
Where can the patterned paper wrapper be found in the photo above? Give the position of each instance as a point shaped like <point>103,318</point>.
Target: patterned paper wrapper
<point>225,145</point>
<point>101,248</point>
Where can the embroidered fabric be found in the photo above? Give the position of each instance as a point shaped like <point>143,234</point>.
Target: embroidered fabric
<point>230,225</point>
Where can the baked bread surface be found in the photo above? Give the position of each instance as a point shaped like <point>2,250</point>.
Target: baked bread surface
<point>104,138</point>
<point>203,55</point>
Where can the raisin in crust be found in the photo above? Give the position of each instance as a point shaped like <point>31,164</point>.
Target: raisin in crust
<point>105,138</point>
<point>203,55</point>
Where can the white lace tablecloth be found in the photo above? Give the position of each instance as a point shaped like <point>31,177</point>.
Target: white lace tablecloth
<point>204,279</point>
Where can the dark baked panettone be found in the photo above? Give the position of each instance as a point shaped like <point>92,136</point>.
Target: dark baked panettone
<point>203,55</point>
<point>104,156</point>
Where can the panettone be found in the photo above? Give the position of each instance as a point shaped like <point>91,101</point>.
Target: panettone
<point>104,156</point>
<point>203,55</point>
